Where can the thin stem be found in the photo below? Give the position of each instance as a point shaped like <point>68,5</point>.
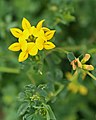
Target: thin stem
<point>65,49</point>
<point>61,87</point>
<point>58,50</point>
<point>92,76</point>
<point>59,90</point>
<point>30,77</point>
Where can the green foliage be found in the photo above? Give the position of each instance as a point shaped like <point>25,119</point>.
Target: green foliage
<point>34,104</point>
<point>70,56</point>
<point>75,25</point>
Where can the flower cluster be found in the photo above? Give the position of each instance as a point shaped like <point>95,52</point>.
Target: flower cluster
<point>82,64</point>
<point>31,39</point>
<point>75,86</point>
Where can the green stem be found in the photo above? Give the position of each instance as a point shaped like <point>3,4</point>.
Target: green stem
<point>65,49</point>
<point>30,77</point>
<point>59,90</point>
<point>92,76</point>
<point>58,50</point>
<point>9,70</point>
<point>61,87</point>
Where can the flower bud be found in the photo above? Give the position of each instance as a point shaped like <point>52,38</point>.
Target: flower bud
<point>88,67</point>
<point>86,58</point>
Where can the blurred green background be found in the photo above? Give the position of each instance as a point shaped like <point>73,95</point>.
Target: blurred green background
<point>75,25</point>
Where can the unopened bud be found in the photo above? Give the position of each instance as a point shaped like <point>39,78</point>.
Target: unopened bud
<point>86,58</point>
<point>88,67</point>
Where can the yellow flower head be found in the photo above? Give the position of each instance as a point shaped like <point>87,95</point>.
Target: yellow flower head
<point>74,85</point>
<point>31,39</point>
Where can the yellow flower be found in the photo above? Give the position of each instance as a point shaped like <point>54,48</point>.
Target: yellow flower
<point>74,85</point>
<point>31,39</point>
<point>31,50</point>
<point>77,88</point>
<point>83,90</point>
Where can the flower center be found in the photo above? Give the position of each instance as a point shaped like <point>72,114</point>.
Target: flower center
<point>31,38</point>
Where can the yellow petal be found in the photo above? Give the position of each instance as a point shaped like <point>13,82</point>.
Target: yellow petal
<point>39,25</point>
<point>15,47</point>
<point>25,35</point>
<point>25,24</point>
<point>31,30</point>
<point>39,43</point>
<point>45,29</point>
<point>16,32</point>
<point>72,87</point>
<point>49,45</point>
<point>41,35</point>
<point>23,44</point>
<point>23,56</point>
<point>33,51</point>
<point>49,34</point>
<point>30,45</point>
<point>35,32</point>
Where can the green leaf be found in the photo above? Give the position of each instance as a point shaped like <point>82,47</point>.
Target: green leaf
<point>23,108</point>
<point>70,56</point>
<point>37,117</point>
<point>56,58</point>
<point>68,17</point>
<point>48,116</point>
<point>58,74</point>
<point>21,96</point>
<point>29,117</point>
<point>51,114</point>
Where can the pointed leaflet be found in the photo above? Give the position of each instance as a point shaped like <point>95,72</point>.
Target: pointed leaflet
<point>16,32</point>
<point>25,24</point>
<point>70,56</point>
<point>15,47</point>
